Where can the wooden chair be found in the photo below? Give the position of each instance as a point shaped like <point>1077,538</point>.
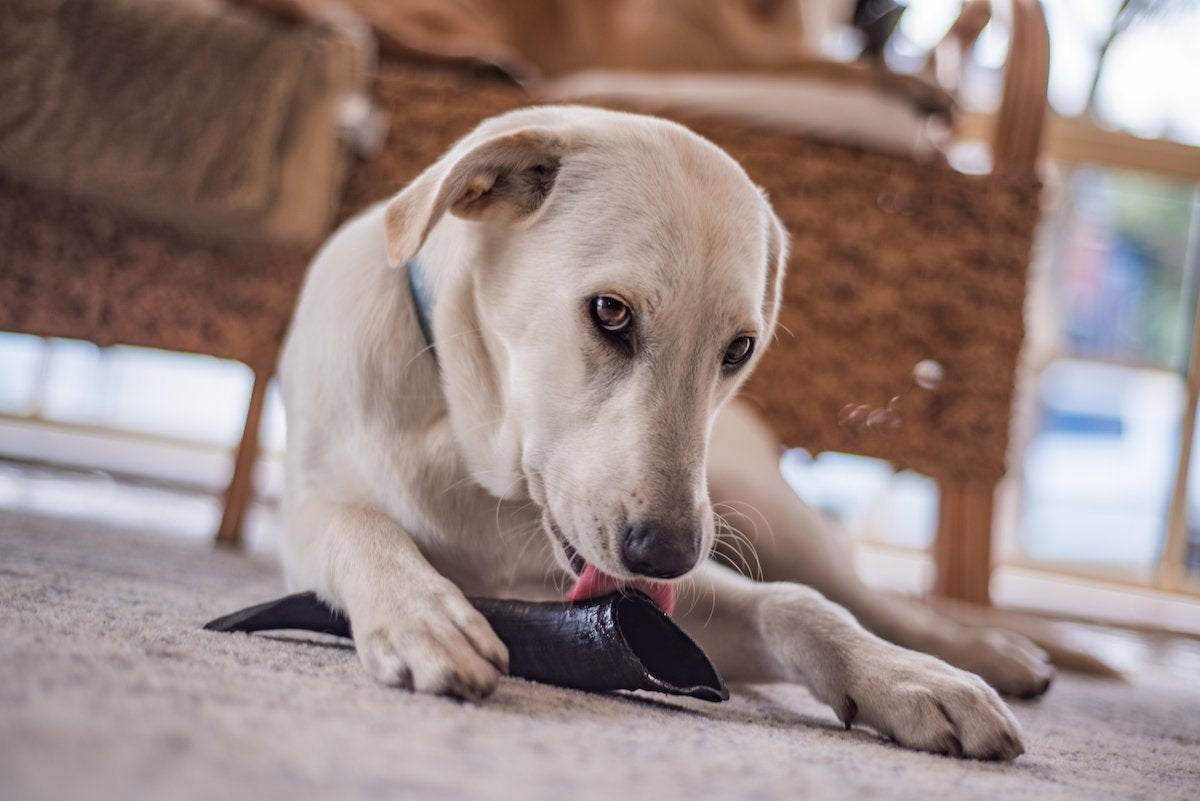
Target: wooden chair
<point>78,270</point>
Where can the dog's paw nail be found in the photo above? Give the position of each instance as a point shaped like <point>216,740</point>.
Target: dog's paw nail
<point>847,712</point>
<point>1037,690</point>
<point>1012,746</point>
<point>455,687</point>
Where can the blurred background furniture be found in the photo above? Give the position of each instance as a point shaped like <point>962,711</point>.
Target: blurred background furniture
<point>166,170</point>
<point>902,321</point>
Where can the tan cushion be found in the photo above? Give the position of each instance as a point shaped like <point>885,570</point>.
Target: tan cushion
<point>224,124</point>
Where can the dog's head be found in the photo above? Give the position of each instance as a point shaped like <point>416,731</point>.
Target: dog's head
<point>606,282</point>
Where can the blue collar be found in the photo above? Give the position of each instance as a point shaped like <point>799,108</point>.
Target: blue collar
<point>422,297</point>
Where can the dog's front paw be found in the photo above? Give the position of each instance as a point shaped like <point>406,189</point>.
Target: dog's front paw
<point>434,643</point>
<point>1009,662</point>
<point>923,703</point>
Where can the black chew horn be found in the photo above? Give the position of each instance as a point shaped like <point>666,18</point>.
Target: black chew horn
<point>617,642</point>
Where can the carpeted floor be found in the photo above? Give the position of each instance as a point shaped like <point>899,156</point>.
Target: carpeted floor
<point>109,689</point>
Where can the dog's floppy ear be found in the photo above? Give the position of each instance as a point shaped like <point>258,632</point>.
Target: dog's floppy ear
<point>777,257</point>
<point>504,177</point>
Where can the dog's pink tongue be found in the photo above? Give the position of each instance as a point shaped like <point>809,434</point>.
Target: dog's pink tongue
<point>593,583</point>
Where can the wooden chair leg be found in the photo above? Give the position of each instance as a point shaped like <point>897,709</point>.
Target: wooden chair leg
<point>962,552</point>
<point>240,490</point>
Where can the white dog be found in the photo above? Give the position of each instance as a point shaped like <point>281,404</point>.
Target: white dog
<point>594,287</point>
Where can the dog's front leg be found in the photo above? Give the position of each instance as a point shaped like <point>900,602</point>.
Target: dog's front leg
<point>412,627</point>
<point>787,632</point>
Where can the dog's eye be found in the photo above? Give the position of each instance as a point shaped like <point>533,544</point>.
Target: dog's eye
<point>738,351</point>
<point>611,313</point>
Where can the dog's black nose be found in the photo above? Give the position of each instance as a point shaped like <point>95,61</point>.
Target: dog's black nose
<point>660,551</point>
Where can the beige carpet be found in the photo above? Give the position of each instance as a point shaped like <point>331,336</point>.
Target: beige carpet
<point>109,689</point>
